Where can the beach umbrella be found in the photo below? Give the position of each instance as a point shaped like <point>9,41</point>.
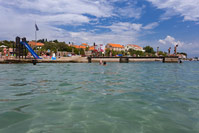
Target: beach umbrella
<point>3,46</point>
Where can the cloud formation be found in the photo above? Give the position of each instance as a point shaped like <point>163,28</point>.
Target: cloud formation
<point>185,8</point>
<point>151,26</point>
<point>100,21</point>
<point>171,41</point>
<point>19,16</point>
<point>99,8</point>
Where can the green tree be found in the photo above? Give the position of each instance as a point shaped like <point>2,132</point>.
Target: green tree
<point>49,45</point>
<point>107,52</point>
<point>135,52</point>
<point>87,49</point>
<point>61,46</point>
<point>161,53</point>
<point>82,51</point>
<point>76,51</point>
<point>55,41</point>
<point>183,53</point>
<point>149,49</point>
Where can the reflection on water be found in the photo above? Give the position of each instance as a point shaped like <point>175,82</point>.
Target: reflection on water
<point>135,97</point>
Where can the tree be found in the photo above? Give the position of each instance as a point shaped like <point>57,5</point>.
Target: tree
<point>183,53</point>
<point>87,49</point>
<point>135,52</point>
<point>82,52</point>
<point>149,49</point>
<point>55,41</point>
<point>161,53</point>
<point>61,46</point>
<point>41,40</point>
<point>50,45</point>
<point>107,52</point>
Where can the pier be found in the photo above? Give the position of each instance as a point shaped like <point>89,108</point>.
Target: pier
<point>168,59</point>
<point>78,59</point>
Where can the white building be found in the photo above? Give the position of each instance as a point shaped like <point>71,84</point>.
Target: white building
<point>134,47</point>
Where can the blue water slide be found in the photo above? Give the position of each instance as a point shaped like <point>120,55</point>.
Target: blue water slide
<point>31,50</point>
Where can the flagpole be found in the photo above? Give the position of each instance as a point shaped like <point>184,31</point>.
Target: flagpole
<point>36,29</point>
<point>35,35</point>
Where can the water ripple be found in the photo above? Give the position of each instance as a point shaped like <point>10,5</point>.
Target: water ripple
<point>135,97</point>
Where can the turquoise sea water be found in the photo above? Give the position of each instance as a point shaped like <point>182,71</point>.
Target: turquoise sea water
<point>150,97</point>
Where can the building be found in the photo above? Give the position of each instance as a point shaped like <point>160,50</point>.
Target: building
<point>100,48</point>
<point>34,44</point>
<point>181,56</point>
<point>63,53</point>
<point>115,47</point>
<point>134,47</point>
<point>78,46</point>
<point>85,44</point>
<point>91,48</point>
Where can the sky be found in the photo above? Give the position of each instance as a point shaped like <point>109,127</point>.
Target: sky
<point>158,23</point>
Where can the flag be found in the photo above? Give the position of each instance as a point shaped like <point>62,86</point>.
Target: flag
<point>36,27</point>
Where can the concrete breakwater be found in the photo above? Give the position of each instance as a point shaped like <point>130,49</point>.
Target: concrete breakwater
<point>122,59</point>
<point>92,60</point>
<point>170,59</point>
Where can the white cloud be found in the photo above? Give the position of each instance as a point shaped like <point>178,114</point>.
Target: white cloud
<point>18,24</point>
<point>122,33</point>
<point>162,41</point>
<point>18,17</point>
<point>151,26</point>
<point>100,8</point>
<point>171,41</point>
<point>14,24</point>
<point>186,8</point>
<point>130,11</point>
<point>124,26</point>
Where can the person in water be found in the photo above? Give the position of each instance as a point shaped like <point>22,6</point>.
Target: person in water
<point>101,62</point>
<point>104,63</point>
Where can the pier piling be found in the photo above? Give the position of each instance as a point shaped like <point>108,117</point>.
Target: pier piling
<point>124,60</point>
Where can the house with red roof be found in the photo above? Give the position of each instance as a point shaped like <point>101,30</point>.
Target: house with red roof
<point>78,46</point>
<point>91,48</point>
<point>85,44</point>
<point>115,47</point>
<point>134,47</point>
<point>34,44</point>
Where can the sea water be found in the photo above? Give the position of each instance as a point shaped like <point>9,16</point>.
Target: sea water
<point>147,97</point>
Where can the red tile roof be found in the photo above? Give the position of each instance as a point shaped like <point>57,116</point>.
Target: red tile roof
<point>91,48</point>
<point>32,43</point>
<point>83,47</point>
<point>132,45</point>
<point>84,44</point>
<point>79,46</point>
<point>115,45</point>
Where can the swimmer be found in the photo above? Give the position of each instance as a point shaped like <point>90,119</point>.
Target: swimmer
<point>104,63</point>
<point>101,62</point>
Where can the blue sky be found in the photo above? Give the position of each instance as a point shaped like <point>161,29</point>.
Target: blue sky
<point>158,23</point>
